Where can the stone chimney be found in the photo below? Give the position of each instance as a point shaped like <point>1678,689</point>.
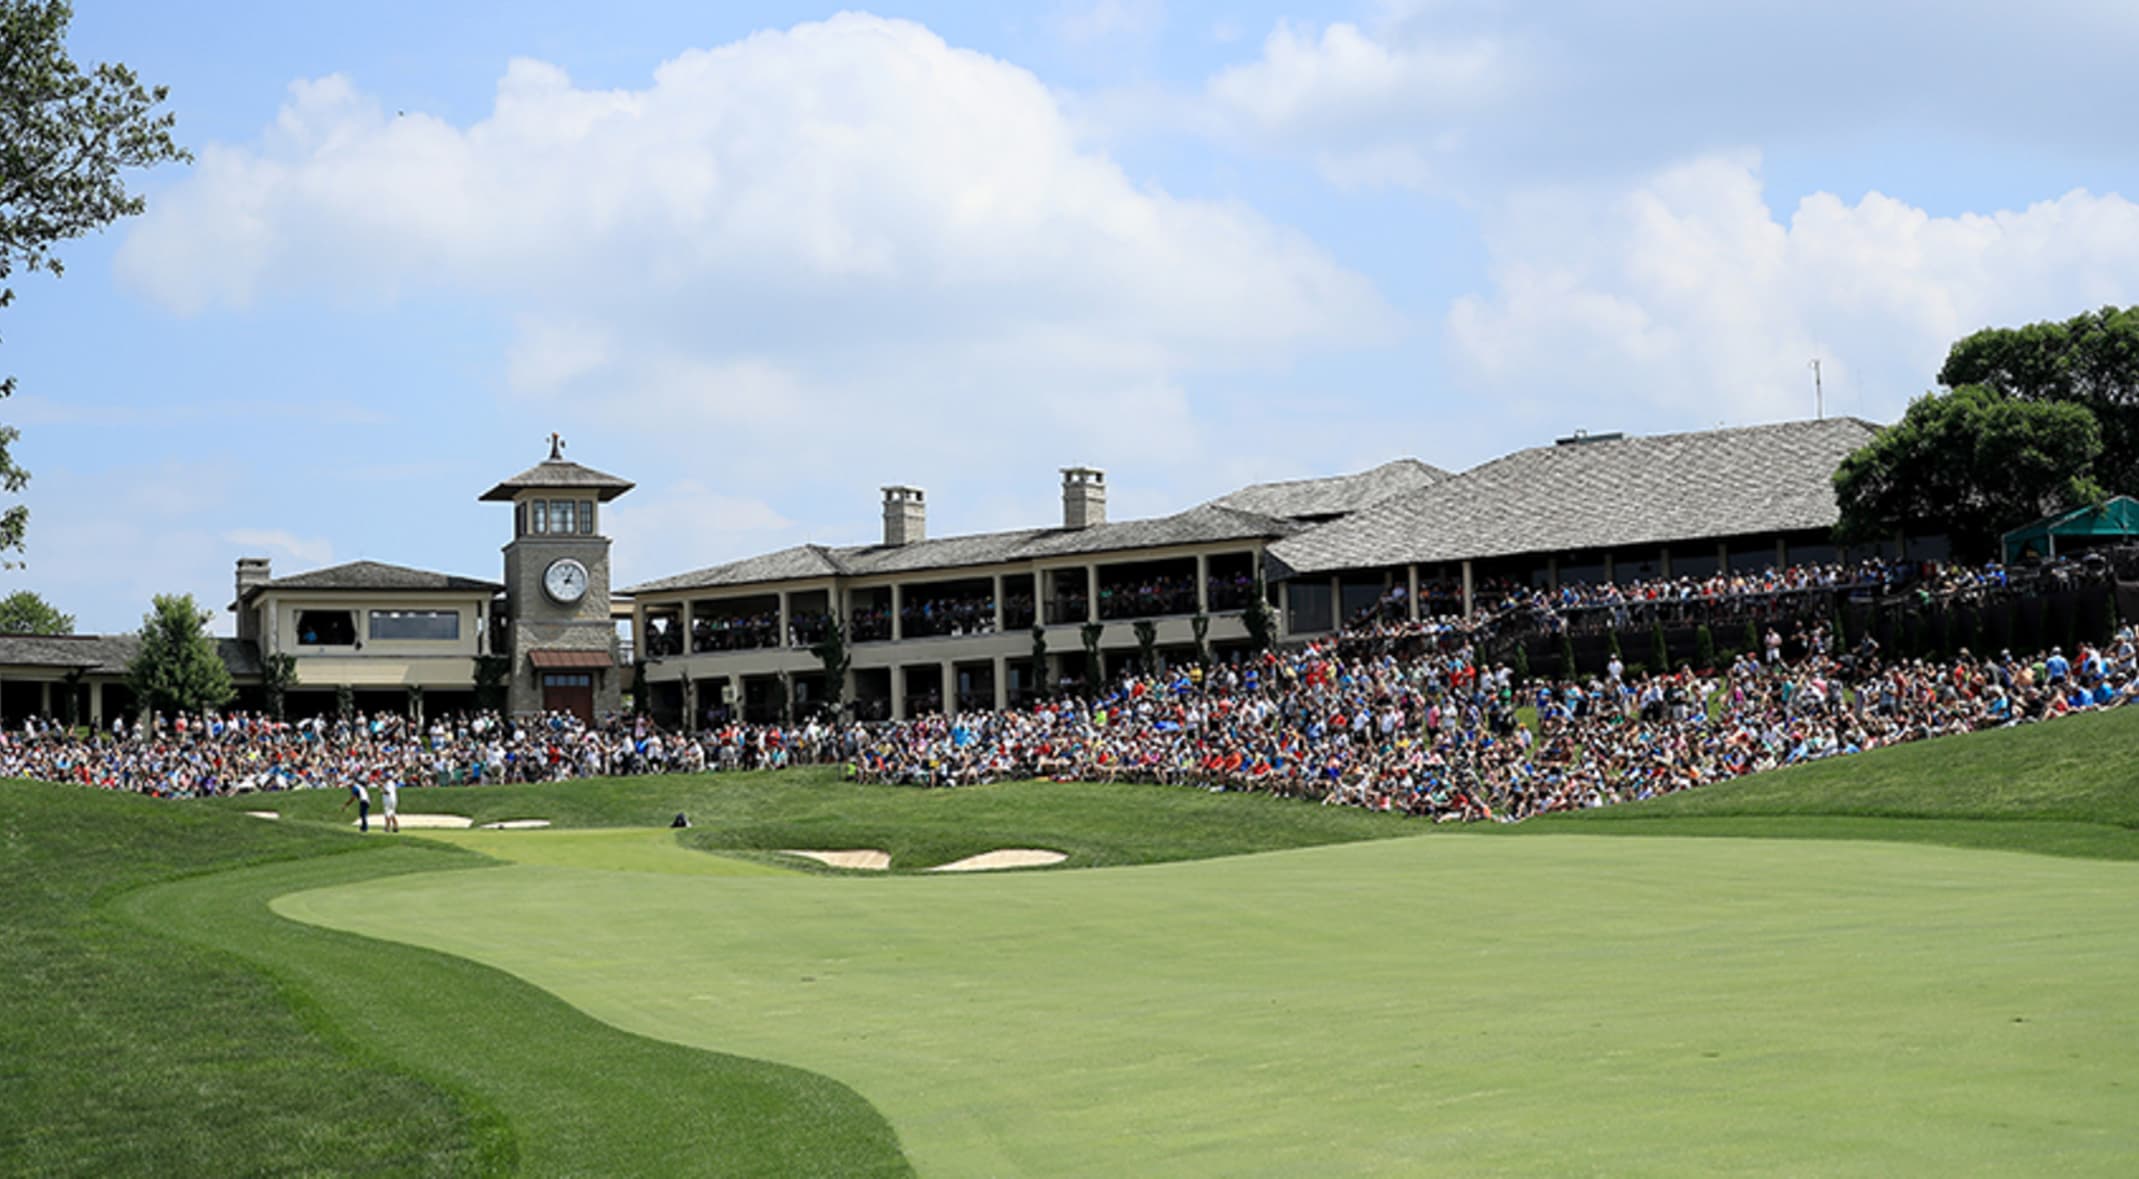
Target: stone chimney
<point>905,516</point>
<point>1084,497</point>
<point>252,573</point>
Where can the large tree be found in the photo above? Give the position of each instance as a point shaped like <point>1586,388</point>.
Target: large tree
<point>2090,360</point>
<point>25,613</point>
<point>177,668</point>
<point>65,136</point>
<point>1972,463</point>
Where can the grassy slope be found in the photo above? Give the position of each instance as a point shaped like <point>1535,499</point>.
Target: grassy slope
<point>2070,787</point>
<point>1097,824</point>
<point>268,1047</point>
<point>129,1053</point>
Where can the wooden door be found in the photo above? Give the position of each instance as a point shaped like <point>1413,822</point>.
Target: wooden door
<point>569,691</point>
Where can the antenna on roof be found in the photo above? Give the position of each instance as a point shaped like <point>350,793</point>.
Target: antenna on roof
<point>556,447</point>
<point>1819,393</point>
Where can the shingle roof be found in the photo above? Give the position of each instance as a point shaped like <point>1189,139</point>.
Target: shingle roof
<point>98,653</point>
<point>1630,491</point>
<point>563,474</point>
<point>1336,495</point>
<point>1197,525</point>
<point>374,577</point>
<point>108,654</point>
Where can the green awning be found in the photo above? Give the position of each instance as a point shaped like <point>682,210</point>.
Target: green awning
<point>2119,517</point>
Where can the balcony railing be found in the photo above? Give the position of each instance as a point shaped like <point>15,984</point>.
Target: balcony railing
<point>1146,601</point>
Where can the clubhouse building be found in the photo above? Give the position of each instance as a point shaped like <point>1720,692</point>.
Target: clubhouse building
<point>939,624</point>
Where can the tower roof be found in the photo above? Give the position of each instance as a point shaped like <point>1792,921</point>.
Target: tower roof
<point>561,474</point>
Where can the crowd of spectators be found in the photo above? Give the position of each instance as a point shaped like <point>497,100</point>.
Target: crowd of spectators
<point>1445,736</point>
<point>1359,719</point>
<point>1148,597</point>
<point>187,756</point>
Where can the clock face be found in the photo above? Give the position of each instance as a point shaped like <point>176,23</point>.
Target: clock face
<point>565,580</point>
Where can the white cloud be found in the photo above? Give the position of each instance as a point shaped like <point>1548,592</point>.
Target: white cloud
<point>316,551</point>
<point>1462,97</point>
<point>1367,106</point>
<point>846,235</point>
<point>1688,294</point>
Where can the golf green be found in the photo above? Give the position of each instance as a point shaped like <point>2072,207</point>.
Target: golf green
<point>1451,1004</point>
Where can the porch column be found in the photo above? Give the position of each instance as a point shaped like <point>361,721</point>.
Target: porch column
<point>898,692</point>
<point>96,704</point>
<point>898,628</point>
<point>1552,572</point>
<point>1607,566</point>
<point>1203,583</point>
<point>1723,556</point>
<point>785,639</point>
<point>690,705</point>
<point>949,674</point>
<point>1411,590</point>
<point>1091,593</point>
<point>1336,603</point>
<point>44,698</point>
<point>1663,561</point>
<point>735,698</point>
<point>1466,587</point>
<point>1782,553</point>
<point>998,603</point>
<point>1002,682</point>
<point>685,648</point>
<point>1284,607</point>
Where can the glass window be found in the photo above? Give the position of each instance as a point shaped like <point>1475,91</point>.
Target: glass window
<point>1310,606</point>
<point>586,519</point>
<point>422,625</point>
<point>326,628</point>
<point>542,516</point>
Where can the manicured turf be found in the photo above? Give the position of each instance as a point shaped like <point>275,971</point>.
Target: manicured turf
<point>1443,1003</point>
<point>1449,1005</point>
<point>1097,824</point>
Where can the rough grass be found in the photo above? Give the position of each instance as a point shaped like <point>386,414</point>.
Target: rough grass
<point>160,1021</point>
<point>1095,824</point>
<point>125,1052</point>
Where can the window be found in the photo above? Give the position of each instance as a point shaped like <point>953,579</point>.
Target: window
<point>422,625</point>
<point>326,628</point>
<point>1310,606</point>
<point>586,519</point>
<point>560,679</point>
<point>542,517</point>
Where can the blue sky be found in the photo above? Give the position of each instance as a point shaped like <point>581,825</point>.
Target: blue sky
<point>765,258</point>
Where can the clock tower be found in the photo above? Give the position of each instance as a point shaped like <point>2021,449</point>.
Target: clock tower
<point>562,639</point>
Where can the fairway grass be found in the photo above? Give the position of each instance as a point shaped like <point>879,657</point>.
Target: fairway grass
<point>1431,1005</point>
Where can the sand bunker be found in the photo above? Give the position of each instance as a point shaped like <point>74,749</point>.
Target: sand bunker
<point>263,814</point>
<point>1008,857</point>
<point>865,859</point>
<point>424,821</point>
<point>516,824</point>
